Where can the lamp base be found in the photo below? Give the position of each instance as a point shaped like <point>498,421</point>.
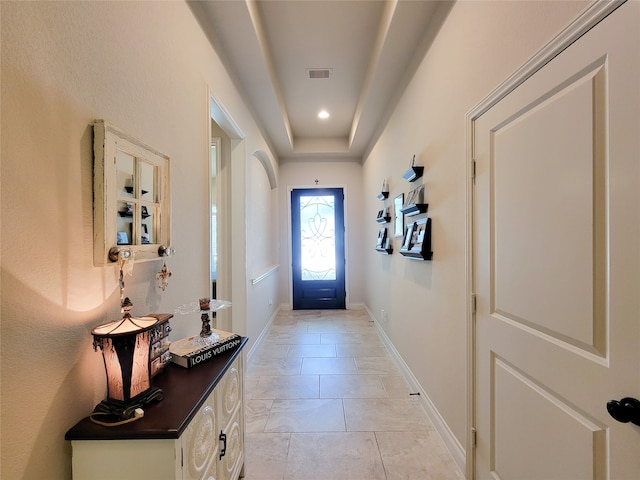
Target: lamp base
<point>123,411</point>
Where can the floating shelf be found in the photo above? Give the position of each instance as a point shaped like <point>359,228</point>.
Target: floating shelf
<point>383,195</point>
<point>414,209</point>
<point>130,215</point>
<point>130,190</point>
<point>383,219</point>
<point>386,251</point>
<point>413,173</point>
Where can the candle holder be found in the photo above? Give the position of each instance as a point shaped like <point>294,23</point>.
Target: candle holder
<point>205,306</point>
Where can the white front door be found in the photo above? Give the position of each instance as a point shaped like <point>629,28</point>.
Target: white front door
<point>557,264</point>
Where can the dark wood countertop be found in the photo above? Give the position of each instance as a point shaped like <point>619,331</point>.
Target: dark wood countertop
<point>184,392</point>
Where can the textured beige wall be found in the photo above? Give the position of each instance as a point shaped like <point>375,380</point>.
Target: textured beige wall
<point>480,44</point>
<point>144,67</point>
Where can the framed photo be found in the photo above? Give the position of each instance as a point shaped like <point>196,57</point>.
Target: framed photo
<point>382,237</point>
<point>410,196</point>
<point>408,233</point>
<point>399,223</point>
<point>123,238</point>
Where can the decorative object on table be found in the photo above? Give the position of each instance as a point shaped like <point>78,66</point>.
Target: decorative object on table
<point>204,306</point>
<point>414,171</point>
<point>126,350</point>
<point>417,240</point>
<point>190,352</point>
<point>210,342</point>
<point>204,316</point>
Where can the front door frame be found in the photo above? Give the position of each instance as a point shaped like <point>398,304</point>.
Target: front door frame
<point>290,188</point>
<point>590,17</point>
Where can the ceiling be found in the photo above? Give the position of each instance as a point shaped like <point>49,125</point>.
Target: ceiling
<point>292,58</point>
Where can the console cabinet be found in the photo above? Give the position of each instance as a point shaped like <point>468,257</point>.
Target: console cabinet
<point>195,433</point>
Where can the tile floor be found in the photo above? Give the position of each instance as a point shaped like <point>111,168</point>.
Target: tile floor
<point>325,401</point>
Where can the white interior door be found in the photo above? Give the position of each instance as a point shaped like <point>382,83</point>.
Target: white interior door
<point>557,264</point>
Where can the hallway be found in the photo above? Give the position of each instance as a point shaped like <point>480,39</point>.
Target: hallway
<point>325,401</point>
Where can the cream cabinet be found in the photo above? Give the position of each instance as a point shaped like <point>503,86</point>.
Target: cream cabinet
<point>178,438</point>
<point>212,446</point>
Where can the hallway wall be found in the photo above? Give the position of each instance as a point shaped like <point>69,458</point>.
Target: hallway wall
<point>480,45</point>
<point>146,68</point>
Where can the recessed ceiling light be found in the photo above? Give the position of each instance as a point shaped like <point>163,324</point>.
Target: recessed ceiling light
<point>323,114</point>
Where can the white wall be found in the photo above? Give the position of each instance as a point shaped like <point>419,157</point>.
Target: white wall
<point>329,174</point>
<point>480,44</point>
<point>262,258</point>
<point>146,68</point>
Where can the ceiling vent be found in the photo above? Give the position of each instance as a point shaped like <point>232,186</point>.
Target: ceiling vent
<point>319,72</point>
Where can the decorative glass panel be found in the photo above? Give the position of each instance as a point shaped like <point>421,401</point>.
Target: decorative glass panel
<point>147,181</point>
<point>317,237</point>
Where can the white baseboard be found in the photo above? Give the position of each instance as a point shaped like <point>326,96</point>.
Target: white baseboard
<point>356,306</point>
<point>263,333</point>
<point>452,444</point>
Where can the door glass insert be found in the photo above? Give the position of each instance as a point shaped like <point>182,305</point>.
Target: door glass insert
<point>317,237</point>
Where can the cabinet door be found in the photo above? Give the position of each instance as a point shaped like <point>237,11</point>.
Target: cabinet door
<point>230,391</point>
<point>152,459</point>
<point>200,444</point>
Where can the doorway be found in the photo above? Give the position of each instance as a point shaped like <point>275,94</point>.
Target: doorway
<point>317,247</point>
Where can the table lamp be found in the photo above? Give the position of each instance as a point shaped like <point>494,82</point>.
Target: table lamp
<point>126,347</point>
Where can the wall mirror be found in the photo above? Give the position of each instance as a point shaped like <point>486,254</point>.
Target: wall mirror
<point>131,207</point>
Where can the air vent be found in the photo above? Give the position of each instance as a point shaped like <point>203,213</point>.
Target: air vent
<point>319,72</point>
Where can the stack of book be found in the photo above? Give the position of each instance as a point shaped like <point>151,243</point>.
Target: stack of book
<point>192,351</point>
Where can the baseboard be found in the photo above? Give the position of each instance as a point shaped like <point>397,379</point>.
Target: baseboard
<point>356,306</point>
<point>263,333</point>
<point>452,444</point>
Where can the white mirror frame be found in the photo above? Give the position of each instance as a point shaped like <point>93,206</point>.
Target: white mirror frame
<point>107,142</point>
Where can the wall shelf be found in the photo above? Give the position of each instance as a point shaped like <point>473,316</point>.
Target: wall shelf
<point>413,173</point>
<point>414,209</point>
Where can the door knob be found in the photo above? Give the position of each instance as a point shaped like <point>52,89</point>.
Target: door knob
<point>625,411</point>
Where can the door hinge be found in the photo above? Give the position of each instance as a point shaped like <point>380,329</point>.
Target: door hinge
<point>474,303</point>
<point>474,436</point>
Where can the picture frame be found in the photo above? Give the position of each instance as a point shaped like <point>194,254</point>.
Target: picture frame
<point>408,233</point>
<point>382,237</point>
<point>410,196</point>
<point>417,240</point>
<point>399,221</point>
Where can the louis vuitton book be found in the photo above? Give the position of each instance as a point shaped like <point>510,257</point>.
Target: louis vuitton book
<point>192,351</point>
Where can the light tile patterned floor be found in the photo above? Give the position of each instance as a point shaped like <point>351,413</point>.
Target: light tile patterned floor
<point>325,401</point>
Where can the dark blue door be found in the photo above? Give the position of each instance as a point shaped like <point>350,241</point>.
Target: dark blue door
<point>317,225</point>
